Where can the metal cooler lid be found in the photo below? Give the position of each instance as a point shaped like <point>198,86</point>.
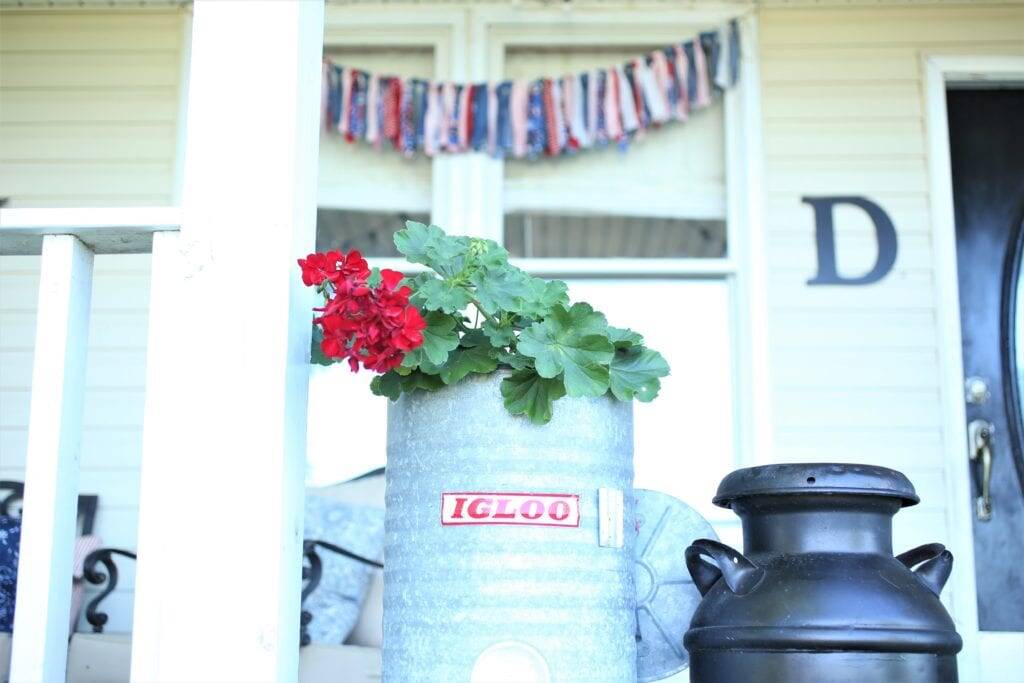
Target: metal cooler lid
<point>665,595</point>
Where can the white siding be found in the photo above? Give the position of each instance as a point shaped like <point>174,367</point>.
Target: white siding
<point>115,379</point>
<point>90,107</point>
<point>89,117</point>
<point>855,370</point>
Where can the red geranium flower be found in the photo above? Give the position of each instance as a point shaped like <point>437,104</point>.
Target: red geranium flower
<point>370,326</point>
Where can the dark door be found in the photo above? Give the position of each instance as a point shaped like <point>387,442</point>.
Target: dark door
<point>987,152</point>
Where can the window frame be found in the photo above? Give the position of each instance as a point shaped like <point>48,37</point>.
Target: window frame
<point>470,43</point>
<point>440,29</point>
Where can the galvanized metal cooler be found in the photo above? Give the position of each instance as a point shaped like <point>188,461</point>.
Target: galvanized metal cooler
<point>507,554</point>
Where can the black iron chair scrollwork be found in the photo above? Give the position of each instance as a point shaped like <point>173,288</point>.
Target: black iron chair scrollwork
<point>104,556</point>
<point>87,504</point>
<point>312,573</point>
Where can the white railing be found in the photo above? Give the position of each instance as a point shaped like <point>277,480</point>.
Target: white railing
<point>227,370</point>
<point>67,239</point>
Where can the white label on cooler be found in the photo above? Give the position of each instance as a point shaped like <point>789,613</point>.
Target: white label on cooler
<point>522,509</point>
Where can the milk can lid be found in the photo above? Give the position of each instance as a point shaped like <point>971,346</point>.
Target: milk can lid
<point>665,595</point>
<point>802,478</point>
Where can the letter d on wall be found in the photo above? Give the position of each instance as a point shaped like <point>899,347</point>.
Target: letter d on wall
<point>825,232</point>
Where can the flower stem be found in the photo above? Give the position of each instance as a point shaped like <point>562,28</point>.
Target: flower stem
<point>480,309</point>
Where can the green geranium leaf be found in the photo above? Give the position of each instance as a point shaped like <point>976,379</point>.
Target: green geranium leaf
<point>487,253</point>
<point>474,338</point>
<point>440,295</point>
<point>424,365</point>
<point>499,335</point>
<point>448,256</point>
<point>527,393</point>
<point>416,239</point>
<point>429,245</point>
<point>624,338</point>
<point>389,384</point>
<point>439,338</point>
<point>316,355</point>
<point>461,362</point>
<point>500,290</point>
<point>635,373</point>
<point>375,278</point>
<point>516,361</point>
<point>543,296</point>
<point>414,282</point>
<point>571,343</point>
<point>418,380</point>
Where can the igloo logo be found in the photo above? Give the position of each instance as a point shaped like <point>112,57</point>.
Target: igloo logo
<point>521,509</point>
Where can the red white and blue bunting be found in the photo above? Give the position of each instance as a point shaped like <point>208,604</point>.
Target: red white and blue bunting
<point>532,119</point>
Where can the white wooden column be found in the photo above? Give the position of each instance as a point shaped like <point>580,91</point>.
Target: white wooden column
<point>218,599</point>
<point>51,469</point>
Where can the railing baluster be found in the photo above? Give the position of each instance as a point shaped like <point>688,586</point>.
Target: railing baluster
<point>158,494</point>
<point>51,473</point>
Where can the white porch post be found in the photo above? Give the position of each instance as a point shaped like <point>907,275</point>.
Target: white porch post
<point>218,577</point>
<point>43,602</point>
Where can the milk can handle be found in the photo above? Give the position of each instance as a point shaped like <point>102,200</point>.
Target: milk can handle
<point>936,564</point>
<point>740,574</point>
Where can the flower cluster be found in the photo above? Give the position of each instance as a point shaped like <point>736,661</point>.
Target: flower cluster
<point>366,316</point>
<point>471,312</point>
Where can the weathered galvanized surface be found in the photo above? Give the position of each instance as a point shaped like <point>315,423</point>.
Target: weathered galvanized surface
<point>666,597</point>
<point>450,592</point>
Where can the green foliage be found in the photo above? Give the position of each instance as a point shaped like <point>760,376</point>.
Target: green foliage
<point>634,373</point>
<point>462,361</point>
<point>439,339</point>
<point>624,338</point>
<point>316,356</point>
<point>572,343</point>
<point>499,334</point>
<point>527,393</point>
<point>484,314</point>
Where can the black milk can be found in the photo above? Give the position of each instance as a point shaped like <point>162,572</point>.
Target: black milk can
<point>817,596</point>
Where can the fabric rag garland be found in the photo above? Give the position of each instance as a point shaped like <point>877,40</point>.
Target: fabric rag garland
<point>532,119</point>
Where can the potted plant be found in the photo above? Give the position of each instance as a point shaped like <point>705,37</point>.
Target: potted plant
<point>509,480</point>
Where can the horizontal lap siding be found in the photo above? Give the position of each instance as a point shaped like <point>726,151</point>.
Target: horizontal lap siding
<point>855,370</point>
<point>89,107</point>
<point>115,389</point>
<point>89,113</point>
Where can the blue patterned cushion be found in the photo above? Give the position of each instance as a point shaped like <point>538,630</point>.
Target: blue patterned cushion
<point>336,602</point>
<point>10,540</point>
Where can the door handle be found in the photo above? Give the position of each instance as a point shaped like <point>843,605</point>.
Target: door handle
<point>979,441</point>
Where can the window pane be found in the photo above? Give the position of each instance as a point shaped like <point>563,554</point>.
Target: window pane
<point>346,425</point>
<point>550,235</point>
<point>357,176</point>
<point>676,171</point>
<point>368,231</point>
<point>684,438</point>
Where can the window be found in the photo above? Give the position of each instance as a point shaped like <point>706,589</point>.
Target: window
<point>644,235</point>
<point>552,235</point>
<point>370,232</point>
<point>669,184</point>
<point>364,196</point>
<point>355,176</point>
<point>683,440</point>
<point>663,198</point>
